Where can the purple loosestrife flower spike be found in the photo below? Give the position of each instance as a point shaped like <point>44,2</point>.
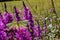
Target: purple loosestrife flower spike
<point>32,30</point>
<point>8,18</point>
<point>30,15</point>
<point>26,10</point>
<point>31,18</point>
<point>17,14</point>
<point>31,24</point>
<point>39,30</point>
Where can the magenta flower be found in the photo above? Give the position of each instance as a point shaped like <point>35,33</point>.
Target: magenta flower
<point>8,18</point>
<point>11,33</point>
<point>3,35</point>
<point>2,25</point>
<point>17,12</point>
<point>23,34</point>
<point>26,12</point>
<point>39,31</point>
<point>31,17</point>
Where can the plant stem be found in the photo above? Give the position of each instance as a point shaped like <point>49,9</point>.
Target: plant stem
<point>5,6</point>
<point>54,11</point>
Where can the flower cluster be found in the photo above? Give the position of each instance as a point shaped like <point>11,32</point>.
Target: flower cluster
<point>31,31</point>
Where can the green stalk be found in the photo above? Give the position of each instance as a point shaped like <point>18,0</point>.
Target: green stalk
<point>54,11</point>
